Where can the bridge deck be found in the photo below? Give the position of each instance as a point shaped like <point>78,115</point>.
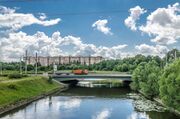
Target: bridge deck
<point>105,76</point>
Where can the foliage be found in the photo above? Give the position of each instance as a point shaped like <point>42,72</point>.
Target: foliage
<point>12,86</point>
<point>145,78</point>
<point>16,76</point>
<point>50,80</point>
<point>170,85</point>
<point>138,76</point>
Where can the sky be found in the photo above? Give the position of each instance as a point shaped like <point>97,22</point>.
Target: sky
<point>110,28</point>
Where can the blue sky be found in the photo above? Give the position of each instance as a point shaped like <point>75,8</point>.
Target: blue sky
<point>77,17</point>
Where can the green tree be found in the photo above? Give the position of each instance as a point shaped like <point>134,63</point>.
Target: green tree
<point>170,85</point>
<point>138,76</point>
<point>150,86</point>
<point>145,78</point>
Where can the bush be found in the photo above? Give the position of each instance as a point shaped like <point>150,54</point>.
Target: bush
<point>12,86</point>
<point>16,76</point>
<point>50,80</point>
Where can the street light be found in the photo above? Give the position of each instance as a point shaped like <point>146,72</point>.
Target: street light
<point>36,64</point>
<point>26,62</point>
<point>20,66</point>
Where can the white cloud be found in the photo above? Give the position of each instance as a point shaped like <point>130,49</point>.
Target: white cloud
<point>111,53</point>
<point>9,19</point>
<point>104,114</point>
<point>14,46</point>
<point>164,25</point>
<point>100,25</point>
<point>6,10</point>
<point>135,13</point>
<point>152,50</point>
<point>42,16</point>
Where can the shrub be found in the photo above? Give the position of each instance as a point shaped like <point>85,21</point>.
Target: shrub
<point>16,76</point>
<point>12,86</point>
<point>50,80</point>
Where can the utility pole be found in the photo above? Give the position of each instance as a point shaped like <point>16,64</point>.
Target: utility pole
<point>1,67</point>
<point>36,64</point>
<point>20,67</point>
<point>175,54</point>
<point>166,60</point>
<point>26,62</point>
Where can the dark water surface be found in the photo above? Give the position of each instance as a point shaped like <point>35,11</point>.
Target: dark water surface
<point>86,103</point>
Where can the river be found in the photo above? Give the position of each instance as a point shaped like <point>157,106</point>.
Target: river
<point>92,103</point>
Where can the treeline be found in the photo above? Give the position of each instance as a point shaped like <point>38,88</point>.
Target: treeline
<point>153,81</point>
<point>121,65</point>
<point>159,80</point>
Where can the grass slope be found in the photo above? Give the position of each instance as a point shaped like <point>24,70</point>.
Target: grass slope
<point>12,91</point>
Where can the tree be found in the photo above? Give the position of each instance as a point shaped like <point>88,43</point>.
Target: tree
<point>125,67</point>
<point>30,67</point>
<point>145,78</point>
<point>138,76</point>
<point>170,85</point>
<point>150,86</point>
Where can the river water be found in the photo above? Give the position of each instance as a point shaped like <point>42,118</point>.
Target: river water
<point>92,103</point>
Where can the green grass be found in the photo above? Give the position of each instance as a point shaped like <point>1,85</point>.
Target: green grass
<point>3,78</point>
<point>12,91</point>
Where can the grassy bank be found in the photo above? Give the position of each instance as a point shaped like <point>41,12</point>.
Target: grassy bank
<point>16,90</point>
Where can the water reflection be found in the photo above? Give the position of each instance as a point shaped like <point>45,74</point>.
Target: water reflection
<point>137,115</point>
<point>69,103</point>
<point>104,114</point>
<point>82,103</point>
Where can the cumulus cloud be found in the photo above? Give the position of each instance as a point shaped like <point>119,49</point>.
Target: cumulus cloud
<point>164,25</point>
<point>14,46</point>
<point>152,50</point>
<point>135,13</point>
<point>6,10</point>
<point>101,25</point>
<point>10,20</point>
<point>42,16</point>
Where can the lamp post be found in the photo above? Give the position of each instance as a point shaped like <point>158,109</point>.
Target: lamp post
<point>20,66</point>
<point>26,62</point>
<point>36,64</point>
<point>1,67</point>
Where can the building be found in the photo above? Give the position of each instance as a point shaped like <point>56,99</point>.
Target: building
<point>46,61</point>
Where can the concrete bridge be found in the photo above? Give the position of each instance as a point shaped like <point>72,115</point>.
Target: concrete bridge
<point>124,77</point>
<point>73,80</point>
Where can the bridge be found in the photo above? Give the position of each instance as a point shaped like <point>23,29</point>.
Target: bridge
<point>73,80</point>
<point>124,77</point>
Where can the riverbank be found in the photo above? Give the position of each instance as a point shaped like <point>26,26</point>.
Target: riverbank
<point>18,92</point>
<point>168,108</point>
<point>160,102</point>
